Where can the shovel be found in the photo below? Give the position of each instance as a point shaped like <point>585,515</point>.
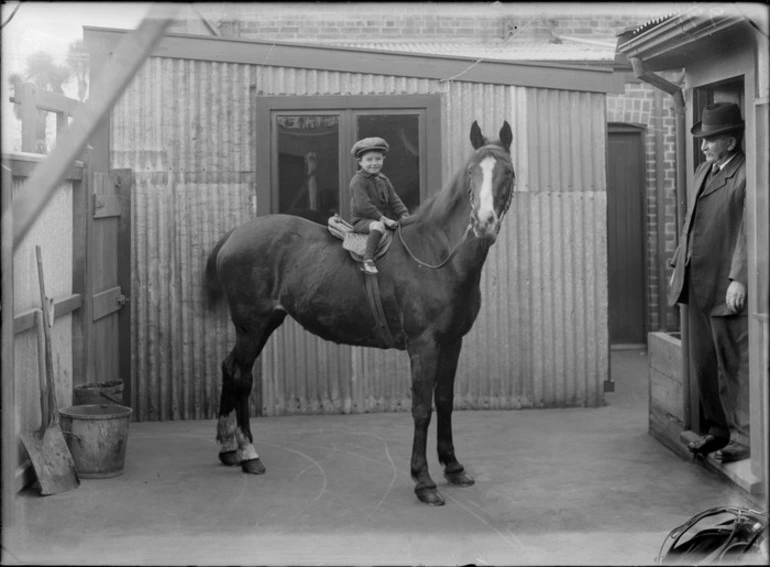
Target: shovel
<point>47,449</point>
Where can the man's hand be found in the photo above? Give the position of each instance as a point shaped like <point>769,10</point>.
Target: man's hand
<point>735,299</point>
<point>390,223</point>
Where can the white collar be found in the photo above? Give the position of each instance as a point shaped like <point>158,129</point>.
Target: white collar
<point>722,166</point>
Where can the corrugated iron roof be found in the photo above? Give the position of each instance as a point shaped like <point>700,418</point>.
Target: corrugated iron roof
<point>652,23</point>
<point>564,50</point>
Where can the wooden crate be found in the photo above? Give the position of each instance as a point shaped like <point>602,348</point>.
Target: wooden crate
<point>666,401</point>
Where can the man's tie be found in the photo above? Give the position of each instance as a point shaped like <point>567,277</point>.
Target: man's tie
<point>714,170</point>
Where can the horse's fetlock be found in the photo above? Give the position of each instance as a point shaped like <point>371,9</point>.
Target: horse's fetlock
<point>447,458</point>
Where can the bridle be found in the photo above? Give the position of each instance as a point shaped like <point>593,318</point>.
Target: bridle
<point>466,232</point>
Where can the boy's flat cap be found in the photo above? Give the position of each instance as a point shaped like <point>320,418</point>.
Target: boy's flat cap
<point>369,145</point>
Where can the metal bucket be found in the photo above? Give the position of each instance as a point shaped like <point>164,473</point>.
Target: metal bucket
<point>97,435</point>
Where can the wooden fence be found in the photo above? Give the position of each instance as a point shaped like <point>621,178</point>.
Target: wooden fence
<point>60,232</point>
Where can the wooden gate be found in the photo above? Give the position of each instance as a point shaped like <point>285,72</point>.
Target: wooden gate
<point>106,277</point>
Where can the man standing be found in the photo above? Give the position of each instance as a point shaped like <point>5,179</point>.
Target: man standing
<point>710,276</point>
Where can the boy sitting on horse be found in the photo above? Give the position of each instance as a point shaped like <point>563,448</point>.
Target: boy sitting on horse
<point>374,202</point>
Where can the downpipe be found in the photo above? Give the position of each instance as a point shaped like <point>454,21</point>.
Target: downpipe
<point>681,205</point>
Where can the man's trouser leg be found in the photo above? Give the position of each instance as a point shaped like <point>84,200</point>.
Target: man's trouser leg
<point>703,367</point>
<point>731,337</point>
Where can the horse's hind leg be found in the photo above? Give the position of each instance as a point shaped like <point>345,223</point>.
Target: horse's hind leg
<point>445,380</point>
<point>233,429</point>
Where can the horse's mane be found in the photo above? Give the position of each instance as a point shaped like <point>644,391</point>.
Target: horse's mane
<point>441,205</point>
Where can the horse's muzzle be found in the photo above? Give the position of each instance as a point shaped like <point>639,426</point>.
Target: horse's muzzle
<point>486,229</point>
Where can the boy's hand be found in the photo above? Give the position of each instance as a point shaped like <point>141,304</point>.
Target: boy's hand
<point>390,223</point>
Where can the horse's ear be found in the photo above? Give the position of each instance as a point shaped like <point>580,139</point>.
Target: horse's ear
<point>506,136</point>
<point>477,138</point>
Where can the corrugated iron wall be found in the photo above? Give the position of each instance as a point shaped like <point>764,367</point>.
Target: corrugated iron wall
<point>185,128</point>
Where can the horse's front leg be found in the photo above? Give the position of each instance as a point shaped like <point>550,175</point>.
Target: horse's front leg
<point>424,359</point>
<point>445,382</point>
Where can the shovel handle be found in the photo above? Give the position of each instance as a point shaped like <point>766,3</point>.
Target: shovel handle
<point>53,410</point>
<point>41,377</point>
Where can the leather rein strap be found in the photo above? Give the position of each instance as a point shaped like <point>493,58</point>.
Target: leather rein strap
<point>446,260</point>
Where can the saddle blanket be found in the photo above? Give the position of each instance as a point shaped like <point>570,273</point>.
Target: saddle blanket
<point>355,242</point>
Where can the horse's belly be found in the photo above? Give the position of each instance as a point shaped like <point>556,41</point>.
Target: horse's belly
<point>333,305</point>
<point>356,330</point>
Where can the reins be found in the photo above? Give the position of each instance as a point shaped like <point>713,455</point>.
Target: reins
<point>452,254</point>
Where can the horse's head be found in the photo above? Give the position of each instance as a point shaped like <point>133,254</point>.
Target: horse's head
<point>491,181</point>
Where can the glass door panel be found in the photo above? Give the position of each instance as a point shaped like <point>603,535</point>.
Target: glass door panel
<point>402,163</point>
<point>308,165</point>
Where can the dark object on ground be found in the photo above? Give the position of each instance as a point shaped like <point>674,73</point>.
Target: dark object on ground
<point>723,535</point>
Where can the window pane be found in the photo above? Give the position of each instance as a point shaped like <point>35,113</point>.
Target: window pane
<point>308,166</point>
<point>402,164</point>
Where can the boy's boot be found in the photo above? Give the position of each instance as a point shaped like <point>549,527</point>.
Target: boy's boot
<point>372,241</point>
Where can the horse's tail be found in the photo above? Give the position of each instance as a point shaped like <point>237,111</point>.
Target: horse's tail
<point>211,284</point>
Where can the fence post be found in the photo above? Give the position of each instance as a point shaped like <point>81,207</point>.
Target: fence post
<point>80,244</point>
<point>62,121</point>
<point>29,116</point>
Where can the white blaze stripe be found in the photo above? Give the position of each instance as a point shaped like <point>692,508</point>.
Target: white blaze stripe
<point>486,198</point>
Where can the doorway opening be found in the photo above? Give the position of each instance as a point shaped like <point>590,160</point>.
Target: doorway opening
<point>626,236</point>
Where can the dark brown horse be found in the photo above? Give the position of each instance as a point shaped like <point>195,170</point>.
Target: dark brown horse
<point>280,265</point>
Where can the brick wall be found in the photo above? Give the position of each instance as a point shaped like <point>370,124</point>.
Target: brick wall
<point>416,20</point>
<point>492,23</point>
<point>643,104</point>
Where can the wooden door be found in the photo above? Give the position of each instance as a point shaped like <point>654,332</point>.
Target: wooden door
<point>626,236</point>
<point>107,342</point>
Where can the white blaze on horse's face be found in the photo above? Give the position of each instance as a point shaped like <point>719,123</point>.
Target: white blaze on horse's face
<point>486,219</point>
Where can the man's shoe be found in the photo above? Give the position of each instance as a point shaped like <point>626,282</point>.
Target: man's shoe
<point>707,444</point>
<point>369,267</point>
<point>732,452</point>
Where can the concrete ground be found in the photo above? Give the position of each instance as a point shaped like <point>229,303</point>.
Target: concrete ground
<point>553,487</point>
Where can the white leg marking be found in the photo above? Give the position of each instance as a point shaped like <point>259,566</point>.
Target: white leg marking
<point>246,450</point>
<point>486,198</point>
<point>226,433</point>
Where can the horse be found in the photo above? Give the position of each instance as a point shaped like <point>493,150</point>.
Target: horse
<point>279,265</point>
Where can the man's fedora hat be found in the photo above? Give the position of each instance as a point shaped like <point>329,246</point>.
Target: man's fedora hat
<point>718,118</point>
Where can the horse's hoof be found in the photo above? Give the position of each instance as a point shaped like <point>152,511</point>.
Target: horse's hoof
<point>430,496</point>
<point>459,478</point>
<point>253,466</point>
<point>229,458</point>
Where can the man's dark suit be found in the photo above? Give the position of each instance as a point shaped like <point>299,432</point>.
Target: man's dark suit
<point>713,236</point>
